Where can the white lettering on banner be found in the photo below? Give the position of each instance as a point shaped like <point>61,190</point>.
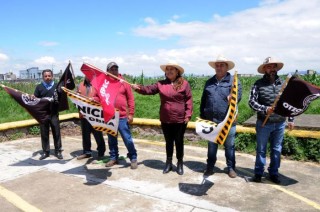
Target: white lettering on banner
<point>103,92</point>
<point>291,108</point>
<point>306,103</point>
<point>28,100</point>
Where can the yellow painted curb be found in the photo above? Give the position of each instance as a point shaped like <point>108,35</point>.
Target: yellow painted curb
<point>17,200</point>
<point>156,122</point>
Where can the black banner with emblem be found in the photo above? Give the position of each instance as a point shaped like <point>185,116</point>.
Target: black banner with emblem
<point>296,97</point>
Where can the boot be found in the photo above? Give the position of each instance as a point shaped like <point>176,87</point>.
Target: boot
<point>168,166</point>
<point>180,167</point>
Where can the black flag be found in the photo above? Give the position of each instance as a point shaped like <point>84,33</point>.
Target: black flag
<point>296,97</point>
<point>38,108</point>
<point>66,80</point>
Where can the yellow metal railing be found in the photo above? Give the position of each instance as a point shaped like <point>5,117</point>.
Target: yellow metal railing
<point>155,122</point>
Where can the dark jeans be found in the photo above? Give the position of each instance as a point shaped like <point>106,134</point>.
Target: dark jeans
<point>52,122</point>
<point>174,134</point>
<point>86,138</point>
<point>229,151</point>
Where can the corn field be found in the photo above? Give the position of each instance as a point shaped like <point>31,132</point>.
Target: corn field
<point>147,106</point>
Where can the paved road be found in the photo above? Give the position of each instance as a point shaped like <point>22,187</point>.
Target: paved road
<point>71,185</point>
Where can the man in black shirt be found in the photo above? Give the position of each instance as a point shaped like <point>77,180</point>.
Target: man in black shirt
<point>47,88</point>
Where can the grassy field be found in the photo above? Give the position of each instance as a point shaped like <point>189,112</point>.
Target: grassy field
<point>146,106</point>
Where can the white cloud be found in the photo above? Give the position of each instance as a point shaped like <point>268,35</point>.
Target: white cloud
<point>285,29</point>
<point>3,57</point>
<point>46,60</point>
<point>48,43</point>
<point>288,30</point>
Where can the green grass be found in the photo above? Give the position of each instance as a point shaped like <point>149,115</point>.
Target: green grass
<point>147,106</point>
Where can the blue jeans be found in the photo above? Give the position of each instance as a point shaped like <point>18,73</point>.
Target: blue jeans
<point>125,133</point>
<point>273,132</point>
<point>229,151</point>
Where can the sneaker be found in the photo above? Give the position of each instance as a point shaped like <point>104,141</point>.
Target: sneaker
<point>257,178</point>
<point>232,173</point>
<point>83,156</point>
<point>134,164</point>
<point>112,163</point>
<point>275,179</point>
<point>208,172</point>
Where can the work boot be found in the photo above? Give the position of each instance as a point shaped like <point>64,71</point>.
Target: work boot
<point>180,167</point>
<point>168,166</point>
<point>257,178</point>
<point>134,164</point>
<point>275,179</point>
<point>112,163</point>
<point>232,173</point>
<point>208,172</point>
<point>83,156</point>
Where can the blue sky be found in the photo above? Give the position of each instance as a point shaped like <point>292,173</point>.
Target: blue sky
<point>142,35</point>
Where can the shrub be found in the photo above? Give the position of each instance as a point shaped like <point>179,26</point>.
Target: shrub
<point>245,142</point>
<point>35,130</point>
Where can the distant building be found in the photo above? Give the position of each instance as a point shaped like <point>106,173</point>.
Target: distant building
<point>57,76</point>
<point>8,76</point>
<point>31,73</point>
<point>311,72</point>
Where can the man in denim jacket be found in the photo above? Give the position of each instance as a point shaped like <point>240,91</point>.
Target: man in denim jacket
<point>214,107</point>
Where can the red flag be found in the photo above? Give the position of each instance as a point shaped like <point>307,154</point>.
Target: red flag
<point>38,108</point>
<point>106,86</point>
<point>296,97</point>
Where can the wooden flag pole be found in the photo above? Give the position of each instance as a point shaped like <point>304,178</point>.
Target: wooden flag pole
<point>121,80</point>
<point>111,75</point>
<point>284,85</point>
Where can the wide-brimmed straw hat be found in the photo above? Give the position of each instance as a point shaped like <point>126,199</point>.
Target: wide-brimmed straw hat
<point>222,59</point>
<point>270,60</point>
<point>180,69</point>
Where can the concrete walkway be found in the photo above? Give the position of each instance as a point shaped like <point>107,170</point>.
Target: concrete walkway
<point>303,121</point>
<point>71,185</point>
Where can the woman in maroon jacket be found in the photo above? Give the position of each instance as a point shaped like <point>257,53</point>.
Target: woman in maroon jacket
<point>175,110</point>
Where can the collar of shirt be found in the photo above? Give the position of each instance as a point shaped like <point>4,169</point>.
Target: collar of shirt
<point>49,85</point>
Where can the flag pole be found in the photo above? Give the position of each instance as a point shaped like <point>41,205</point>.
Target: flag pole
<point>121,80</point>
<point>284,85</point>
<point>111,75</point>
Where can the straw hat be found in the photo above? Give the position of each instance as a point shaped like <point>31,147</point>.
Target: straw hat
<point>221,59</point>
<point>180,69</point>
<point>270,60</point>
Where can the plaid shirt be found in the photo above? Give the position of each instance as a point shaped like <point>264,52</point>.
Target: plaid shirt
<point>254,103</point>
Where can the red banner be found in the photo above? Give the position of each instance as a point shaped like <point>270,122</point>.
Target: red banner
<point>106,86</point>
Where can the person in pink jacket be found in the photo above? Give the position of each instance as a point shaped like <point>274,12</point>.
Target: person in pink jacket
<point>124,102</point>
<point>175,110</point>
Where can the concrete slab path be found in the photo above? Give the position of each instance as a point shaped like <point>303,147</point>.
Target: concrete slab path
<point>28,184</point>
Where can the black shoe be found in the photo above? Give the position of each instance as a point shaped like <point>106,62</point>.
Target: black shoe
<point>44,156</point>
<point>275,179</point>
<point>180,167</point>
<point>168,167</point>
<point>58,155</point>
<point>257,178</point>
<point>208,172</point>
